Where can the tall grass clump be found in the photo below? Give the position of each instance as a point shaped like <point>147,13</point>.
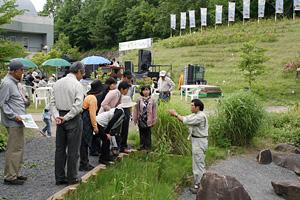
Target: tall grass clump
<point>171,131</point>
<point>238,120</point>
<point>3,138</point>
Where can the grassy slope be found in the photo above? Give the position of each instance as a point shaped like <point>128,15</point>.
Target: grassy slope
<point>221,57</point>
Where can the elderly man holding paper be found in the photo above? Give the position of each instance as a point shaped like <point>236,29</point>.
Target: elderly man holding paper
<point>12,105</point>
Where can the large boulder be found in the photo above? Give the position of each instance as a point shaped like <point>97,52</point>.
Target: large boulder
<point>264,157</point>
<point>289,161</point>
<point>287,148</point>
<point>217,187</point>
<point>290,190</point>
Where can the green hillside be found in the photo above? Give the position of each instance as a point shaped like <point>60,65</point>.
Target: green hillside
<point>219,51</point>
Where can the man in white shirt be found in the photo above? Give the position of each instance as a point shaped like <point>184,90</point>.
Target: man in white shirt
<point>66,104</point>
<point>165,85</point>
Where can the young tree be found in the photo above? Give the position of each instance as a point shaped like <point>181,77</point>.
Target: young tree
<point>251,64</point>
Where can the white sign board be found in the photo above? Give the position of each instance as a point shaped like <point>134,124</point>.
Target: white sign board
<point>192,19</point>
<point>231,11</point>
<point>279,6</point>
<point>182,20</point>
<point>203,12</point>
<point>246,9</point>
<point>297,5</point>
<point>136,44</point>
<point>261,8</point>
<point>173,21</point>
<point>219,14</point>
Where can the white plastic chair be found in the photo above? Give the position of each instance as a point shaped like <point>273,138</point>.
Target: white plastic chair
<point>41,94</point>
<point>194,93</point>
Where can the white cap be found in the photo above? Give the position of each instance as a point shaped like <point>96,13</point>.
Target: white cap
<point>162,73</point>
<point>126,102</point>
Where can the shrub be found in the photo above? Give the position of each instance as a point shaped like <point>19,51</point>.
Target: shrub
<point>238,120</point>
<point>169,130</point>
<point>3,138</point>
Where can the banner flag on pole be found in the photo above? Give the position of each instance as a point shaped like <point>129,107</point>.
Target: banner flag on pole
<point>261,8</point>
<point>203,12</point>
<point>231,11</point>
<point>192,18</point>
<point>219,14</point>
<point>182,20</point>
<point>297,5</point>
<point>279,6</point>
<point>173,21</point>
<point>246,9</point>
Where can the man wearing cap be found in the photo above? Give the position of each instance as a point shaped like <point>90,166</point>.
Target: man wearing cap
<point>66,105</point>
<point>165,85</point>
<point>108,123</point>
<point>89,123</point>
<point>12,105</point>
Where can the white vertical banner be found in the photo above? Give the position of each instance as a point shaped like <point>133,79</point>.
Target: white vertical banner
<point>246,9</point>
<point>297,5</point>
<point>219,9</point>
<point>182,20</point>
<point>203,12</point>
<point>261,8</point>
<point>173,21</point>
<point>279,6</point>
<point>192,18</point>
<point>231,11</point>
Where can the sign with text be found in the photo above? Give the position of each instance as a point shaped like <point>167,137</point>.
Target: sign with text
<point>231,11</point>
<point>261,8</point>
<point>182,20</point>
<point>192,19</point>
<point>246,9</point>
<point>297,5</point>
<point>136,44</point>
<point>173,21</point>
<point>203,12</point>
<point>219,9</point>
<point>279,6</point>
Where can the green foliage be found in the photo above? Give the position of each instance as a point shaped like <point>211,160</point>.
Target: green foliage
<point>136,178</point>
<point>63,47</point>
<point>251,64</point>
<point>3,138</point>
<point>238,120</point>
<point>8,10</point>
<point>51,8</point>
<point>170,129</point>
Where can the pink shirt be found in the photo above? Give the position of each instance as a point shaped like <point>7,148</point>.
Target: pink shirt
<point>111,100</point>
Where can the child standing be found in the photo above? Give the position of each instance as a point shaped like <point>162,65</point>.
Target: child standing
<point>47,120</point>
<point>145,117</point>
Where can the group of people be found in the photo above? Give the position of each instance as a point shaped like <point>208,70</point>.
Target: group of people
<point>94,124</point>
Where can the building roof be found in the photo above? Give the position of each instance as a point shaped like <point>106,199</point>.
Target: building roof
<point>26,5</point>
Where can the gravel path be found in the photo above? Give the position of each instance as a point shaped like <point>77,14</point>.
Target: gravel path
<point>254,177</point>
<point>39,168</point>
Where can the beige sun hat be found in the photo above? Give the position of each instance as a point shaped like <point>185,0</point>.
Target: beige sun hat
<point>126,102</point>
<point>162,73</point>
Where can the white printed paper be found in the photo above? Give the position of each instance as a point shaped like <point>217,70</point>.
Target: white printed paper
<point>279,6</point>
<point>203,12</point>
<point>231,11</point>
<point>173,21</point>
<point>28,121</point>
<point>219,14</point>
<point>192,19</point>
<point>261,8</point>
<point>182,20</point>
<point>246,9</point>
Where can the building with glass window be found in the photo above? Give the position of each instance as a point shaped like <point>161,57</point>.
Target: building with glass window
<point>35,33</point>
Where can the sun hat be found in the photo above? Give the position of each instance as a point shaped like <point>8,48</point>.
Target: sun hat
<point>162,73</point>
<point>126,102</point>
<point>96,87</point>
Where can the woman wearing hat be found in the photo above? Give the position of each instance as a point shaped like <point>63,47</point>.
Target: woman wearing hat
<point>89,123</point>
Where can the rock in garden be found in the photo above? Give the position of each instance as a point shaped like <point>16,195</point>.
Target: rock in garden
<point>287,148</point>
<point>264,157</point>
<point>289,161</point>
<point>290,190</point>
<point>216,187</point>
